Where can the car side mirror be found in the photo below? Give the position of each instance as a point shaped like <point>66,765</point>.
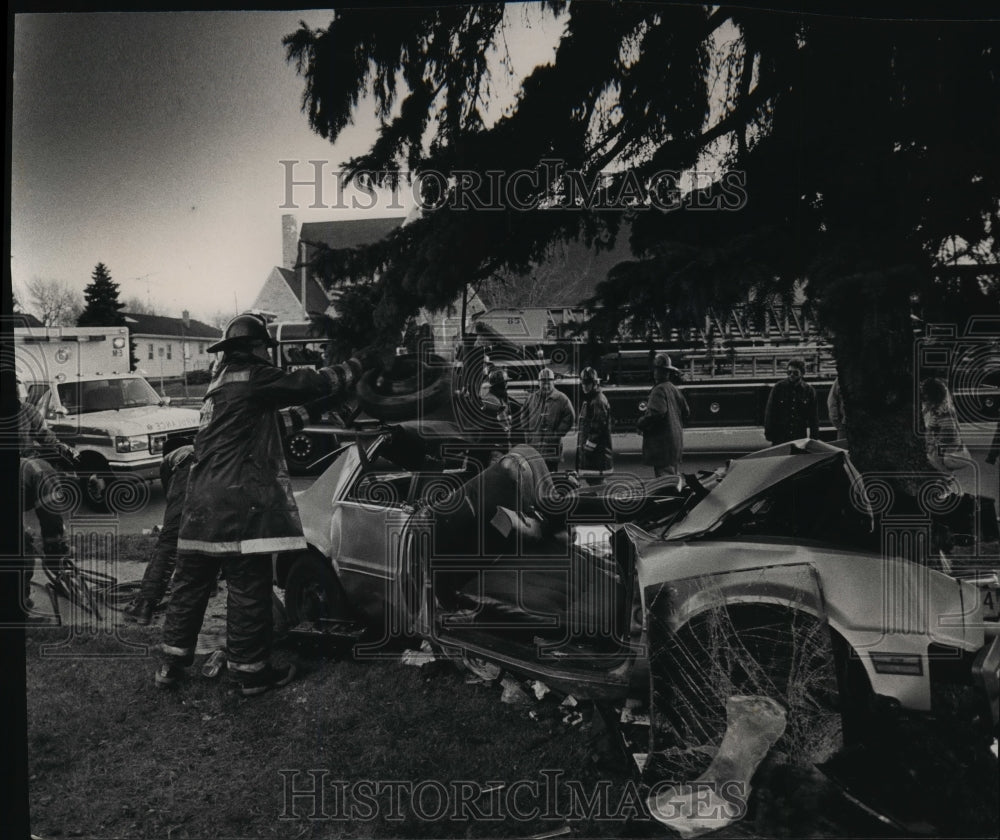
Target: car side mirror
<point>165,401</point>
<point>57,411</point>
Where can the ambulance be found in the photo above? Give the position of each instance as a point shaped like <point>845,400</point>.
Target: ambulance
<point>79,379</point>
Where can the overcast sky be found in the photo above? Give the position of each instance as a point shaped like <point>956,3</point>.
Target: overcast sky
<point>151,142</point>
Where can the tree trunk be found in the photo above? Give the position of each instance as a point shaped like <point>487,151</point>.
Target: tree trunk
<point>868,314</point>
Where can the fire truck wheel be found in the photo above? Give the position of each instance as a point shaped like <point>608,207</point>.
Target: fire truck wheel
<point>408,390</point>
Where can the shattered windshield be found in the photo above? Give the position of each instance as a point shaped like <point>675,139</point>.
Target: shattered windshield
<point>106,395</point>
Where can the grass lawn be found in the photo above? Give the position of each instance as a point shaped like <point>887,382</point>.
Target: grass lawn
<point>111,756</point>
<point>391,751</point>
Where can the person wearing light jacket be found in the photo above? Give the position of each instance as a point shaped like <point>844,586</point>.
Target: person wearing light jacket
<point>548,416</point>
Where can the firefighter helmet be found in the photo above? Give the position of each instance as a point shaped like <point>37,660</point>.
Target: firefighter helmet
<point>245,330</point>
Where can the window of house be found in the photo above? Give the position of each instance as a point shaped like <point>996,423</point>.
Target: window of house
<point>160,352</point>
<point>150,351</point>
<point>201,347</point>
<point>170,350</point>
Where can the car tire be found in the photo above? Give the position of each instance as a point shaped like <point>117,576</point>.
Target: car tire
<point>108,492</point>
<point>313,594</point>
<point>303,449</point>
<point>396,394</point>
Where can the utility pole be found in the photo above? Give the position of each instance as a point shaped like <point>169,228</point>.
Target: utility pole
<point>185,324</point>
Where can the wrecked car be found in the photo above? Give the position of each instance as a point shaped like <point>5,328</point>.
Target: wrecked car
<point>787,577</point>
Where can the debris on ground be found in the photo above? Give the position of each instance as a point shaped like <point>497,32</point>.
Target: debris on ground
<point>513,694</point>
<point>482,670</point>
<point>539,688</point>
<point>419,658</point>
<point>214,664</point>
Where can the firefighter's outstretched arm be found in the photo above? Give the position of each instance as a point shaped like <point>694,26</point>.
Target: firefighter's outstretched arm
<point>333,385</point>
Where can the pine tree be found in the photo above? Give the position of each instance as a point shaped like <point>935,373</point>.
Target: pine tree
<point>102,307</point>
<point>862,157</point>
<point>101,299</point>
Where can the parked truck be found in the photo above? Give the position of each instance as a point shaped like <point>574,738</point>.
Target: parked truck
<point>79,379</point>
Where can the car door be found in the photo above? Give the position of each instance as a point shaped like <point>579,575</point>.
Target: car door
<point>367,530</point>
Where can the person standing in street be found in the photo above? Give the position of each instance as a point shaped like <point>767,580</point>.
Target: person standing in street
<point>942,436</point>
<point>497,419</point>
<point>662,423</point>
<point>549,416</point>
<point>835,409</point>
<point>594,459</point>
<point>791,411</point>
<point>239,508</point>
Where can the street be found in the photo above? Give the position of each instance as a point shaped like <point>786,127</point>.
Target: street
<point>705,449</point>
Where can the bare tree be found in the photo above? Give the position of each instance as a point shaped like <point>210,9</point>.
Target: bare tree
<point>135,306</point>
<point>219,319</point>
<point>54,303</point>
<point>566,276</point>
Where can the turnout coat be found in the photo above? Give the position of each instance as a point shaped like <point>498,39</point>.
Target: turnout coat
<point>595,431</point>
<point>662,426</point>
<point>239,497</point>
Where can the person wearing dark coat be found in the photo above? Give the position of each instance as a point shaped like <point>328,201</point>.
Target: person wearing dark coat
<point>594,459</point>
<point>239,508</point>
<point>496,431</point>
<point>791,411</point>
<point>662,423</point>
<point>174,470</point>
<point>177,457</point>
<point>38,476</point>
<point>40,489</point>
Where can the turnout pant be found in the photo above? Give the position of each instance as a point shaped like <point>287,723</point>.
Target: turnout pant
<point>249,623</point>
<point>161,567</point>
<point>38,483</point>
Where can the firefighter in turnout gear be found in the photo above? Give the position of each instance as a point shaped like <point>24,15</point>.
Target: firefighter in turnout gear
<point>239,507</point>
<point>593,449</point>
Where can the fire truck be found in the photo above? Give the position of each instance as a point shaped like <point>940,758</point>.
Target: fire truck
<point>725,387</point>
<point>79,379</point>
<point>725,367</point>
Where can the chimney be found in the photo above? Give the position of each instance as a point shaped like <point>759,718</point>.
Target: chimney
<point>289,241</point>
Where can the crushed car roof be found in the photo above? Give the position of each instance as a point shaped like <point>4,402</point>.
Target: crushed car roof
<point>751,475</point>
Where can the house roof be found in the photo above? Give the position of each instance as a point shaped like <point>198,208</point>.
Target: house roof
<point>348,233</point>
<point>163,325</point>
<point>316,299</point>
<point>26,319</point>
